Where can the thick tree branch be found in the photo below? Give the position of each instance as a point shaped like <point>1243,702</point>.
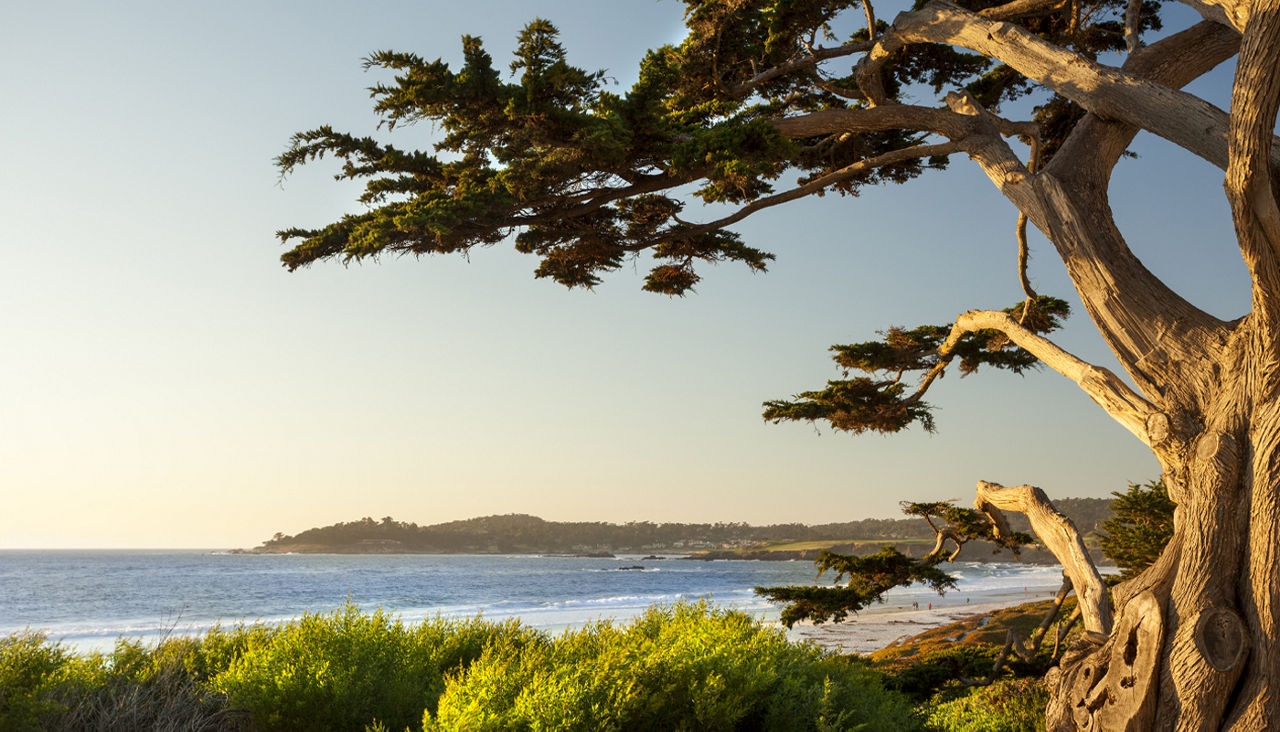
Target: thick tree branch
<point>876,119</point>
<point>1181,118</point>
<point>1015,9</point>
<point>1060,536</point>
<point>1148,326</point>
<point>1124,405</point>
<point>941,537</point>
<point>1255,99</point>
<point>1229,13</point>
<point>1022,9</point>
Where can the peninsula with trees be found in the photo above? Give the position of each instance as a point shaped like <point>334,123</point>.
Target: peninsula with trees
<point>524,534</point>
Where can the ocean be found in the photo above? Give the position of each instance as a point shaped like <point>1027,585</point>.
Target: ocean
<point>89,599</point>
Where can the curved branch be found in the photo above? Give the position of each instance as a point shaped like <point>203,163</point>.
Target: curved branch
<point>1124,405</point>
<point>648,184</point>
<point>1148,326</point>
<point>1179,117</point>
<point>1014,9</point>
<point>818,184</point>
<point>941,536</point>
<point>1059,534</point>
<point>807,62</point>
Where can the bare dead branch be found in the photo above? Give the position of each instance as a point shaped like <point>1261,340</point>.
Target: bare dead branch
<point>1063,630</point>
<point>817,56</point>
<point>1132,17</point>
<point>871,19</point>
<point>1059,534</point>
<point>1038,636</point>
<point>1233,14</point>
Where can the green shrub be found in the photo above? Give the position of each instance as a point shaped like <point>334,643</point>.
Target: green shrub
<point>345,669</point>
<point>30,671</point>
<point>1013,705</point>
<point>683,666</point>
<point>922,676</point>
<point>219,648</point>
<point>140,687</point>
<point>45,687</point>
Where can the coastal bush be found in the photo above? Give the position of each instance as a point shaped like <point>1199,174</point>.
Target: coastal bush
<point>30,671</point>
<point>348,669</point>
<point>1012,705</point>
<point>141,687</point>
<point>43,686</point>
<point>220,647</point>
<point>921,677</point>
<point>682,666</point>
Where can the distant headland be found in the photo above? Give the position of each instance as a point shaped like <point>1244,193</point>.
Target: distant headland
<point>525,534</point>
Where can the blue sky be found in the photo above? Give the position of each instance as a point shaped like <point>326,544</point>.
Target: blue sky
<point>165,383</point>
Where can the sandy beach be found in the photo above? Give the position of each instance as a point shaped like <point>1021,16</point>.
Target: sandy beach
<point>879,625</point>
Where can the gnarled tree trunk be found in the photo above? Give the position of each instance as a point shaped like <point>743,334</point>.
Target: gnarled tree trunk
<point>1199,627</point>
<point>1196,642</point>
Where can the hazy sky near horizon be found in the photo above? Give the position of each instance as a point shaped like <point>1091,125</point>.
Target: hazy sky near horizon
<point>165,383</point>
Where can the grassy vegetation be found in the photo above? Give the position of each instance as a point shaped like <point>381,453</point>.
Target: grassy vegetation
<point>684,666</point>
<point>977,631</point>
<point>677,667</point>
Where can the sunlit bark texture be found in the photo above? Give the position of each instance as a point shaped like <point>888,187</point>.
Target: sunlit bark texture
<point>768,101</point>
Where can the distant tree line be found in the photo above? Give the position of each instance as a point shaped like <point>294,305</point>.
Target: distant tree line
<point>520,533</point>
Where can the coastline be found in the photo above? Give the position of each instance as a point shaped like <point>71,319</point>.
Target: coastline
<point>883,625</point>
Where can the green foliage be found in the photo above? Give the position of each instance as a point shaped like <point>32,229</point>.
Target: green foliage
<point>868,578</point>
<point>30,671</point>
<point>882,402</point>
<point>923,676</point>
<point>854,405</point>
<point>962,525</point>
<point>682,666</point>
<point>1012,705</point>
<point>677,667</point>
<point>1140,527</point>
<point>45,687</point>
<point>346,669</point>
<point>551,154</point>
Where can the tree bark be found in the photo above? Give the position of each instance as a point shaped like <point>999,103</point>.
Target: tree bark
<point>1059,534</point>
